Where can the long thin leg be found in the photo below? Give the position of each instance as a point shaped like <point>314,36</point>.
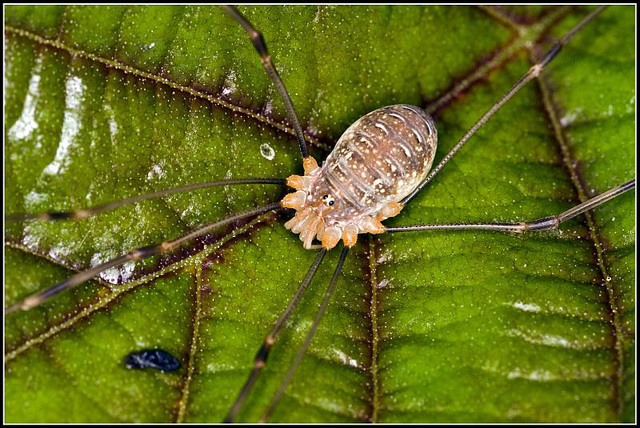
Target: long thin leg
<point>258,42</point>
<point>545,223</point>
<point>137,254</point>
<point>533,72</point>
<point>312,331</point>
<point>88,212</point>
<point>261,356</point>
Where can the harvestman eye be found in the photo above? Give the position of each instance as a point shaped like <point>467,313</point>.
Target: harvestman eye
<point>328,200</point>
<point>390,152</point>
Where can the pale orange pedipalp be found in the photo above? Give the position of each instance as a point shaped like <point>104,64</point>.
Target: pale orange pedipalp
<point>392,209</point>
<point>310,165</point>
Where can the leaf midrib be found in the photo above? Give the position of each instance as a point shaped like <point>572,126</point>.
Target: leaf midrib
<point>570,164</point>
<point>441,102</point>
<point>142,75</point>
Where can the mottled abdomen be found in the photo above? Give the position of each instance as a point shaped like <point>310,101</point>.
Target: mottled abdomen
<point>382,157</point>
<point>378,161</point>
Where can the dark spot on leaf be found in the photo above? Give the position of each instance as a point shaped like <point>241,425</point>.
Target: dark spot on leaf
<point>152,359</point>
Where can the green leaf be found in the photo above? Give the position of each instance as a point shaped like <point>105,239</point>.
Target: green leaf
<point>105,102</point>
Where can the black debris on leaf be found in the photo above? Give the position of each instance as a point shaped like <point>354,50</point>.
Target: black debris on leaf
<point>152,359</point>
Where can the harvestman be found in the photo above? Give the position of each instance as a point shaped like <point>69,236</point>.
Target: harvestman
<point>379,164</point>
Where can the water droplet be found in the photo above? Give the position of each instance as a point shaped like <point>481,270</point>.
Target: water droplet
<point>267,151</point>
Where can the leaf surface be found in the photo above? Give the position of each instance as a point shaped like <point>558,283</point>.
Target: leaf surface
<point>105,102</point>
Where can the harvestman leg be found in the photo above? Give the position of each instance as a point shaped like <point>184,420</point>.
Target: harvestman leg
<point>307,341</point>
<point>88,212</point>
<point>144,252</point>
<point>545,223</point>
<point>140,253</point>
<point>258,42</point>
<point>261,356</point>
<point>533,72</point>
<point>260,359</point>
<point>137,254</point>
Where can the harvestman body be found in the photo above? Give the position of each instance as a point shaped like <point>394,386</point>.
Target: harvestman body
<point>377,162</point>
<point>378,165</point>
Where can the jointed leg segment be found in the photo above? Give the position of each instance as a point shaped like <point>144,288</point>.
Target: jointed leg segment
<point>261,47</point>
<point>88,212</point>
<point>262,354</point>
<point>546,223</point>
<point>533,72</point>
<point>138,254</point>
<point>307,341</point>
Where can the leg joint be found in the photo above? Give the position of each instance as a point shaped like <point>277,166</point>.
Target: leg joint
<point>57,215</point>
<point>546,223</point>
<point>144,252</point>
<point>259,43</point>
<point>261,357</point>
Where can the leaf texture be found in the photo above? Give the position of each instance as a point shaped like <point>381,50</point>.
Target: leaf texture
<point>105,102</point>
